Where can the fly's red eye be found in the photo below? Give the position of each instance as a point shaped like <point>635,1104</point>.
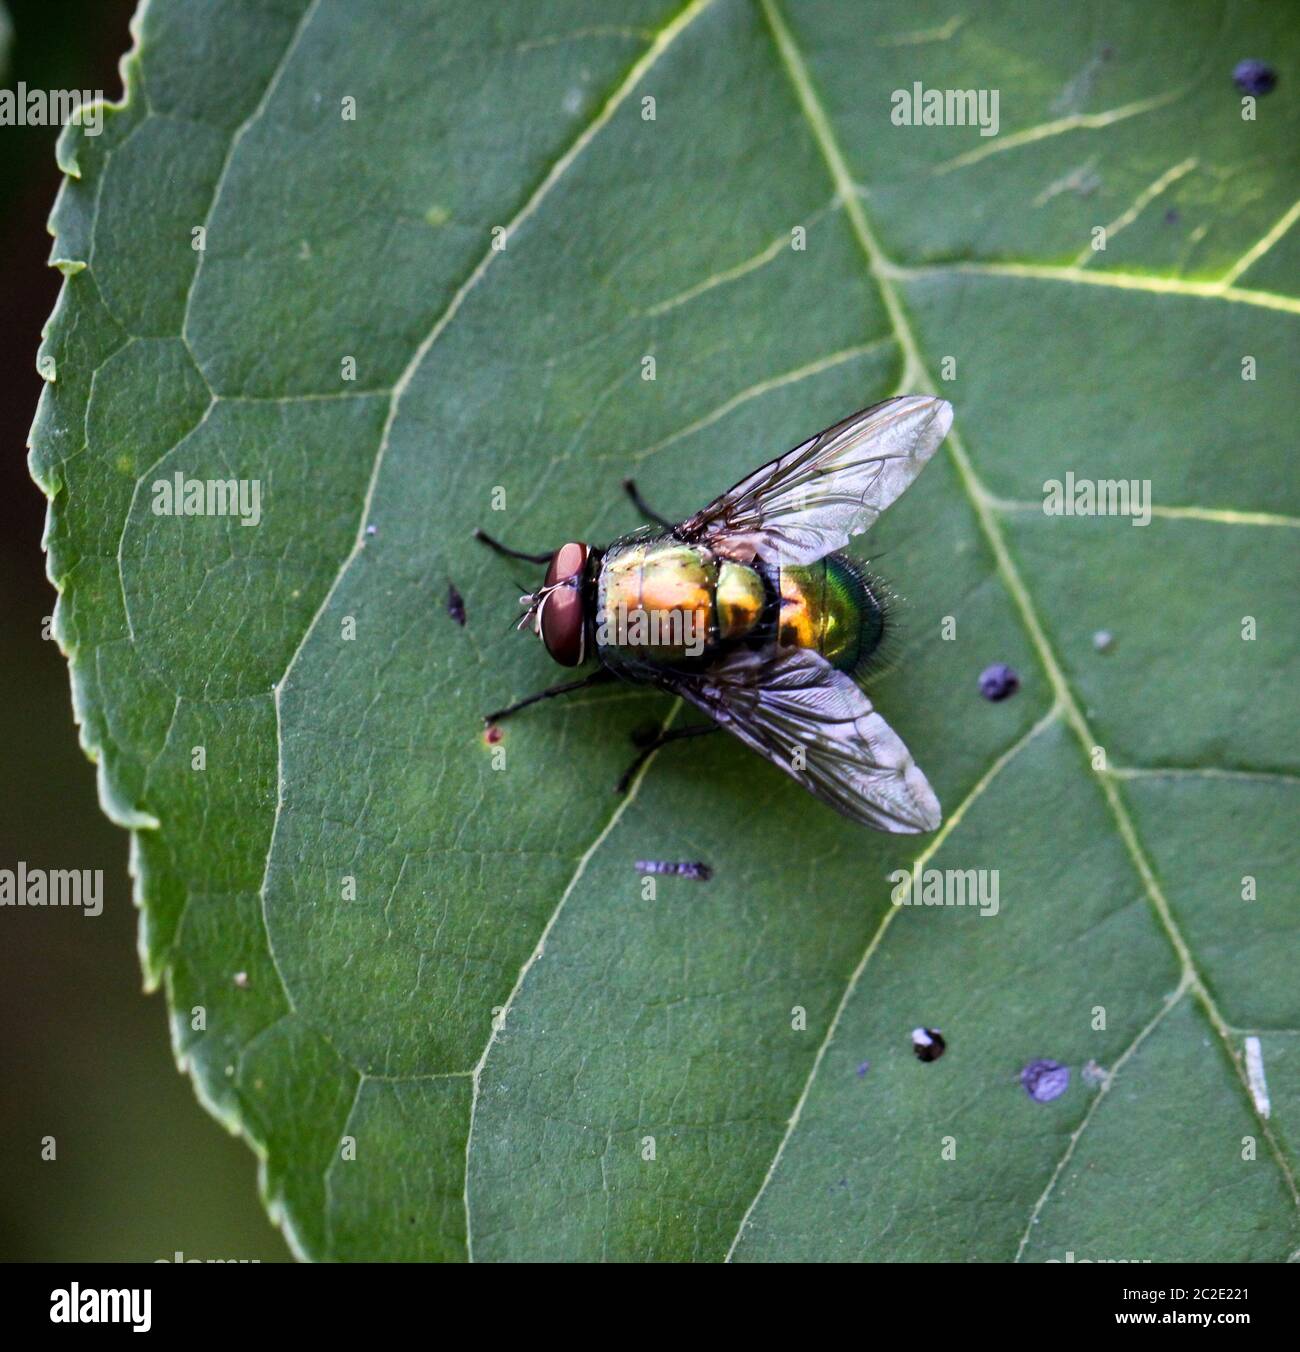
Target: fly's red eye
<point>563,627</point>
<point>567,561</point>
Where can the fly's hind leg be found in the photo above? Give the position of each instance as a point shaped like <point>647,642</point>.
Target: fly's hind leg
<point>649,748</point>
<point>597,677</point>
<point>640,504</point>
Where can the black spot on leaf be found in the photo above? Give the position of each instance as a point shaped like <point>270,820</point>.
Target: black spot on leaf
<point>1254,77</point>
<point>998,682</point>
<point>1044,1081</point>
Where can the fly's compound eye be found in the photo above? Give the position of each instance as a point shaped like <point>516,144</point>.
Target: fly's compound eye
<point>560,617</point>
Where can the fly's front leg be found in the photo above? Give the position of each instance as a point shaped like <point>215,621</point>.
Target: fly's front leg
<point>640,504</point>
<point>597,677</point>
<point>499,548</point>
<point>648,750</point>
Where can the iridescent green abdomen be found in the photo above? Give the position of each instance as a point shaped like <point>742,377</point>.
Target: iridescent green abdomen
<point>830,606</point>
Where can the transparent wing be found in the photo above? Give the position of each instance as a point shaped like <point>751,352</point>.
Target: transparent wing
<point>800,507</point>
<point>793,707</point>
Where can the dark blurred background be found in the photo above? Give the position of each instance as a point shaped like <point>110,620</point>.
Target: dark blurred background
<point>141,1171</point>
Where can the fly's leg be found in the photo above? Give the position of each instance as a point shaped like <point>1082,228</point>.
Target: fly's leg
<point>597,677</point>
<point>673,735</point>
<point>640,504</point>
<point>508,552</point>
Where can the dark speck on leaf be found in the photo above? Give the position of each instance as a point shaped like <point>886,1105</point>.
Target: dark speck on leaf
<point>455,604</point>
<point>492,734</point>
<point>1254,77</point>
<point>863,1068</point>
<point>928,1044</point>
<point>1045,1080</point>
<point>998,681</point>
<point>1171,216</point>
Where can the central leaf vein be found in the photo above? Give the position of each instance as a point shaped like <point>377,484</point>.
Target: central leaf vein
<point>884,271</point>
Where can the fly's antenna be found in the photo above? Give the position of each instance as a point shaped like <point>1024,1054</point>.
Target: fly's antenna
<point>535,602</point>
<point>532,604</point>
<point>529,601</point>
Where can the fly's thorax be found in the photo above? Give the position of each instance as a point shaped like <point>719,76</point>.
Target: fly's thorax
<point>833,607</point>
<point>656,601</point>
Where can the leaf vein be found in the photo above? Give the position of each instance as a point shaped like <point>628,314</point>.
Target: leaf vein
<point>1168,1004</point>
<point>884,272</point>
<point>953,820</point>
<point>1120,281</point>
<point>304,22</point>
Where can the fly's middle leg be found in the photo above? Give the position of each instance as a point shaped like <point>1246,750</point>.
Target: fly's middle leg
<point>649,748</point>
<point>509,553</point>
<point>640,504</point>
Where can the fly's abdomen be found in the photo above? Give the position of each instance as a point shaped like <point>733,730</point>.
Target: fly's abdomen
<point>831,606</point>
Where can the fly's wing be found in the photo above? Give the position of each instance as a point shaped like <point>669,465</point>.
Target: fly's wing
<point>793,707</point>
<point>800,507</point>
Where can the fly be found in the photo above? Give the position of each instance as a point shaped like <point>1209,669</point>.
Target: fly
<point>750,611</point>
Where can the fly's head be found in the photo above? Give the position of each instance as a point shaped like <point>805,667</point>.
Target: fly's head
<point>556,610</point>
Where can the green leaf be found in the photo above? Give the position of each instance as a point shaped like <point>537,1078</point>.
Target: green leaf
<point>500,1027</point>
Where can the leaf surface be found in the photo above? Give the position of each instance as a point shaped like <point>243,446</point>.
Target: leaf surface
<point>433,995</point>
